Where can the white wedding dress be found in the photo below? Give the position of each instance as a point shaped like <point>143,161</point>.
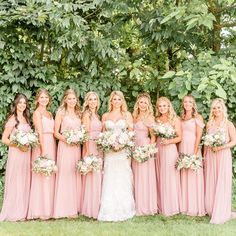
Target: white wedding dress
<point>117,201</point>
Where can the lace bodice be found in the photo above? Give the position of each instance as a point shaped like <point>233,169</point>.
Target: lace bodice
<point>115,126</point>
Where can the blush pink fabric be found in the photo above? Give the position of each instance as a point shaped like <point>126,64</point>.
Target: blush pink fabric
<point>42,188</point>
<point>17,181</point>
<point>218,183</point>
<point>192,182</point>
<point>68,180</point>
<point>168,179</point>
<point>92,182</point>
<point>145,186</point>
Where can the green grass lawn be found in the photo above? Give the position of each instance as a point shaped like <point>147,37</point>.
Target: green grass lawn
<point>150,225</point>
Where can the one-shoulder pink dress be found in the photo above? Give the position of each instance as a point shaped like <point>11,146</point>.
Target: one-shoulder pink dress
<point>17,181</point>
<point>68,180</point>
<point>145,186</point>
<point>168,179</point>
<point>192,182</point>
<point>218,182</point>
<point>92,182</point>
<point>42,188</point>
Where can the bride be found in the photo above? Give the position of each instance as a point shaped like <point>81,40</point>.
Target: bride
<point>117,201</point>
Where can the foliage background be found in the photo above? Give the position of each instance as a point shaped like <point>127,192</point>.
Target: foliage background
<point>168,48</point>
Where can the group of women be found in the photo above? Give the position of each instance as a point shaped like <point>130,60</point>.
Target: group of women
<point>124,187</point>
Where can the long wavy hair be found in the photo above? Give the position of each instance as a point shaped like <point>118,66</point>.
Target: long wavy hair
<point>38,94</point>
<point>123,108</point>
<point>13,110</point>
<point>171,112</point>
<point>149,110</point>
<point>224,108</point>
<point>194,108</point>
<point>63,106</point>
<point>86,103</point>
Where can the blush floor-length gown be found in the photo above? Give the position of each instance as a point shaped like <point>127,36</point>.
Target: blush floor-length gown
<point>192,182</point>
<point>42,188</point>
<point>92,182</point>
<point>68,181</point>
<point>17,180</point>
<point>168,179</point>
<point>218,182</point>
<point>145,186</point>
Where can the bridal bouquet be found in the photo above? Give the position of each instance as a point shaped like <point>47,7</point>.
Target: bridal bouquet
<point>215,140</point>
<point>142,154</point>
<point>164,131</point>
<point>44,165</point>
<point>88,164</point>
<point>186,161</point>
<point>22,138</point>
<point>76,136</point>
<point>115,141</point>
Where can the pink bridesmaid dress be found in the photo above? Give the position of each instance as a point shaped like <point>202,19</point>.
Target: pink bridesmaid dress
<point>218,182</point>
<point>92,181</point>
<point>168,179</point>
<point>145,186</point>
<point>192,182</point>
<point>42,188</point>
<point>68,180</point>
<point>17,181</point>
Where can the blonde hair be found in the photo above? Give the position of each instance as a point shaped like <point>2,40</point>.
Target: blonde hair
<point>225,114</point>
<point>171,112</point>
<point>38,94</point>
<point>194,108</point>
<point>123,108</point>
<point>86,101</point>
<point>63,106</point>
<point>149,108</point>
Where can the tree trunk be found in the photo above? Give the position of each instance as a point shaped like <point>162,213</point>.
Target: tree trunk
<point>216,34</point>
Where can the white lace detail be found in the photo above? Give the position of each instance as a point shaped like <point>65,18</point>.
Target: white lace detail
<point>117,201</point>
<point>117,126</point>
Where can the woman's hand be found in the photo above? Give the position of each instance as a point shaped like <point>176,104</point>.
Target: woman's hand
<point>24,148</point>
<point>117,148</point>
<point>165,141</point>
<point>217,149</point>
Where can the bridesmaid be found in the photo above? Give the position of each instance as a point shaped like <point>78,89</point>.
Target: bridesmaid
<point>218,166</point>
<point>168,178</point>
<point>93,180</point>
<point>42,188</point>
<point>68,181</point>
<point>192,182</point>
<point>145,191</point>
<point>17,178</point>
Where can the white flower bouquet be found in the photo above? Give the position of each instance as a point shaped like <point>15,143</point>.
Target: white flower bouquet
<point>164,131</point>
<point>44,165</point>
<point>115,141</point>
<point>186,161</point>
<point>142,154</point>
<point>88,164</point>
<point>76,136</point>
<point>216,139</point>
<point>21,138</point>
